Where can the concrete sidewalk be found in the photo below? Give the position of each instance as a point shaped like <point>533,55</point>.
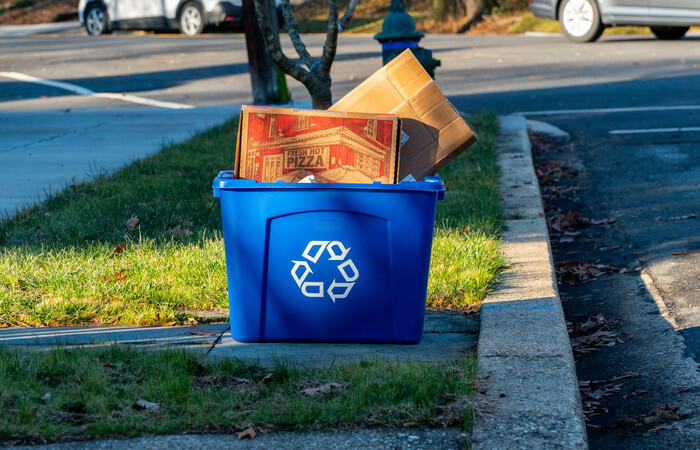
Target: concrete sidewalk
<point>526,368</point>
<point>41,152</point>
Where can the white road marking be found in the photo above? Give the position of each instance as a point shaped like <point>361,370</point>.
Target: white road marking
<point>83,91</point>
<point>656,130</point>
<point>558,112</point>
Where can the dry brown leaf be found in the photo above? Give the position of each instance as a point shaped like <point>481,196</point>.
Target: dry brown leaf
<point>634,393</point>
<point>119,276</point>
<point>119,249</point>
<point>686,217</point>
<point>143,405</point>
<point>323,389</point>
<point>133,222</point>
<point>248,433</point>
<point>178,230</point>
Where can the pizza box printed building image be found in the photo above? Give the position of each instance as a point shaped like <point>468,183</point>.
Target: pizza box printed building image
<point>336,147</point>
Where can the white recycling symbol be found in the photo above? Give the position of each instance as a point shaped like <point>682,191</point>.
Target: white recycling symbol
<point>316,289</point>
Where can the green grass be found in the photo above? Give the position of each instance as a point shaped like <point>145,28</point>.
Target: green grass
<point>466,257</point>
<point>72,260</point>
<point>93,393</point>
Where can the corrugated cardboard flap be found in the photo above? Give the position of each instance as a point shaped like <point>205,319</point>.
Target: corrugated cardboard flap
<point>437,132</point>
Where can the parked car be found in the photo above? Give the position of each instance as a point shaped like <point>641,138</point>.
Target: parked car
<point>585,20</point>
<point>189,16</point>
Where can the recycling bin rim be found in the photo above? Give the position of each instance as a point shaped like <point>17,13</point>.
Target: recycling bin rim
<point>226,180</point>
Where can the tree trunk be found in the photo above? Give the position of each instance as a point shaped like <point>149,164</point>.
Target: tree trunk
<point>474,8</point>
<point>316,76</point>
<point>264,79</point>
<point>321,97</point>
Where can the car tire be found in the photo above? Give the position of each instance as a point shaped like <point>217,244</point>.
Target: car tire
<point>580,20</point>
<point>96,20</point>
<point>669,33</point>
<point>191,19</point>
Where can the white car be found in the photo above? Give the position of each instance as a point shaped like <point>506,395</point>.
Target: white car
<point>189,16</point>
<point>585,20</point>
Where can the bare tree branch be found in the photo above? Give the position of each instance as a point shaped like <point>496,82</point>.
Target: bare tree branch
<point>272,40</point>
<point>329,47</point>
<point>294,34</point>
<point>348,15</point>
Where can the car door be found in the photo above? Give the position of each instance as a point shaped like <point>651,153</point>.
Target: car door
<point>675,12</point>
<point>140,13</point>
<point>624,11</point>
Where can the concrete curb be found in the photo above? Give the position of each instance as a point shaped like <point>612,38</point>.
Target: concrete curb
<point>526,368</point>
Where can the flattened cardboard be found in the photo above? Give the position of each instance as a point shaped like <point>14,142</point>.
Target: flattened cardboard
<point>336,147</point>
<point>437,133</point>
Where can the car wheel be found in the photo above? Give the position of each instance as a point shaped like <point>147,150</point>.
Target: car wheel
<point>96,20</point>
<point>580,20</point>
<point>669,33</point>
<point>191,19</point>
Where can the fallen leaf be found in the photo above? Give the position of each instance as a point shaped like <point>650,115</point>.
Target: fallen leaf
<point>132,222</point>
<point>143,405</point>
<point>686,217</point>
<point>660,414</point>
<point>248,433</point>
<point>323,389</point>
<point>199,331</point>
<point>591,343</point>
<point>119,276</point>
<point>178,231</point>
<point>669,426</point>
<point>634,393</point>
<point>582,271</point>
<point>119,249</point>
<point>626,376</point>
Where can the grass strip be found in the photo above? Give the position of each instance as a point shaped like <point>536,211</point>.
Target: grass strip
<point>62,394</point>
<point>532,23</point>
<point>143,246</point>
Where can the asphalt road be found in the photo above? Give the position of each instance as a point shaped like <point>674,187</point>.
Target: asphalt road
<point>631,104</point>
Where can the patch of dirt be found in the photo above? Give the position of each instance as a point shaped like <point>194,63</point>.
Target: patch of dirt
<point>496,24</point>
<point>25,12</point>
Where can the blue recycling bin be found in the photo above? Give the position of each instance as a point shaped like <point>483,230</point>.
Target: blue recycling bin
<point>321,262</point>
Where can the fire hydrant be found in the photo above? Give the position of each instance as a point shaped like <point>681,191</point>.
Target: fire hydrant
<point>399,33</point>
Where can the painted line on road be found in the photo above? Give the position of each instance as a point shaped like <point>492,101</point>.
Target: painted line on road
<point>87,92</point>
<point>558,112</point>
<point>657,130</point>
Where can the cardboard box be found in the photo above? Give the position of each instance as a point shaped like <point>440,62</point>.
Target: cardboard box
<point>436,132</point>
<point>336,147</point>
